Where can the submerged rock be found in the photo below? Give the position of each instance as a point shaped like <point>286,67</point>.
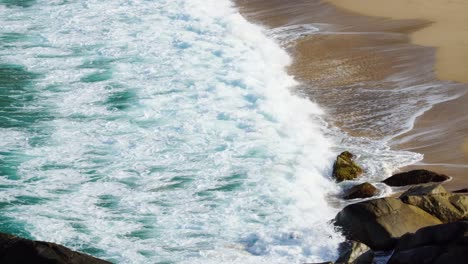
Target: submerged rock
<point>354,252</point>
<point>447,243</point>
<point>364,190</point>
<point>18,251</point>
<point>415,177</point>
<point>379,223</point>
<point>345,168</point>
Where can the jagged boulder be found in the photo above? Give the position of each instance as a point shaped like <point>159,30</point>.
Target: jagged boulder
<point>440,244</point>
<point>415,177</point>
<point>445,206</point>
<point>379,223</point>
<point>345,168</point>
<point>353,252</point>
<point>364,190</point>
<point>17,250</point>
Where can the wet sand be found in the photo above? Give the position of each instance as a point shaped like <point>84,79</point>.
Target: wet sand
<point>359,68</point>
<point>441,133</point>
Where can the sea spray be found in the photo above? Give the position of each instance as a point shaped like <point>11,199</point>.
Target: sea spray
<point>171,136</point>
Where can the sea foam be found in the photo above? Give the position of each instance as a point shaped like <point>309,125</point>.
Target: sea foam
<point>172,136</point>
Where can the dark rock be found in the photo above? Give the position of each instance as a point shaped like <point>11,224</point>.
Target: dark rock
<point>366,258</point>
<point>447,243</point>
<point>350,251</point>
<point>435,235</point>
<point>364,190</point>
<point>415,177</point>
<point>465,190</point>
<point>455,254</point>
<point>379,223</point>
<point>18,251</point>
<point>345,168</point>
<point>445,206</point>
<point>425,254</point>
<point>424,189</point>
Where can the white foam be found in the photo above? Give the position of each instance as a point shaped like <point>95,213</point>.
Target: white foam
<point>211,110</point>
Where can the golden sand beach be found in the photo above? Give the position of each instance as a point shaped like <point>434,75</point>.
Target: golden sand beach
<point>369,48</point>
<point>448,31</point>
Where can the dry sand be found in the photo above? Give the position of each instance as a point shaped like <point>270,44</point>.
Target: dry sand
<point>339,65</point>
<point>448,32</point>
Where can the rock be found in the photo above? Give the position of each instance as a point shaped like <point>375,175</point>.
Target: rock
<point>351,251</point>
<point>415,177</point>
<point>437,235</point>
<point>424,190</point>
<point>345,168</point>
<point>379,223</point>
<point>464,190</point>
<point>366,258</point>
<point>445,206</point>
<point>447,243</point>
<point>18,250</point>
<point>364,190</point>
<point>424,254</point>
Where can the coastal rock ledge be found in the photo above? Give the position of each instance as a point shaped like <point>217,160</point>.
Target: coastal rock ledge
<point>381,222</point>
<point>438,244</point>
<point>16,250</point>
<point>427,224</point>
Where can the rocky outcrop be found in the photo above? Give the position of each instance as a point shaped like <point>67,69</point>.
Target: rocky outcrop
<point>447,243</point>
<point>424,189</point>
<point>379,223</point>
<point>445,206</point>
<point>364,190</point>
<point>345,168</point>
<point>426,224</point>
<point>18,251</point>
<point>353,252</point>
<point>415,177</point>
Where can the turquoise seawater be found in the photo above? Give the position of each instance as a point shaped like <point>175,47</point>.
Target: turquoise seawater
<point>158,131</point>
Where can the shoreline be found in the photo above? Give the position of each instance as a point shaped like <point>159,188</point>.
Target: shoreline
<point>351,53</point>
<point>440,133</point>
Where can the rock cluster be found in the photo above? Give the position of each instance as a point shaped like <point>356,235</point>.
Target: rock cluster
<point>346,169</point>
<point>426,224</point>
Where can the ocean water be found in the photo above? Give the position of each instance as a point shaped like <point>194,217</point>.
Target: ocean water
<point>159,132</point>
